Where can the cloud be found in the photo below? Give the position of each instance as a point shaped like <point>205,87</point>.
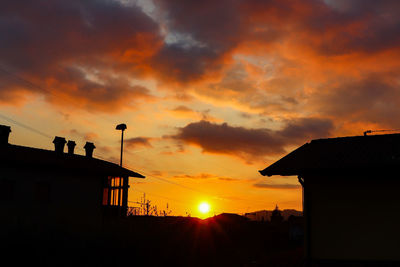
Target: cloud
<point>285,57</point>
<point>138,141</point>
<point>306,128</point>
<point>227,179</point>
<point>204,176</point>
<point>374,98</point>
<point>158,173</point>
<point>85,136</point>
<point>78,52</point>
<point>225,139</point>
<point>182,109</point>
<point>91,136</point>
<point>197,46</point>
<point>277,186</point>
<point>324,26</point>
<point>251,143</point>
<point>184,112</point>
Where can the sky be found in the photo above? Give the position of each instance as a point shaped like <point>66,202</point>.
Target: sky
<point>211,91</point>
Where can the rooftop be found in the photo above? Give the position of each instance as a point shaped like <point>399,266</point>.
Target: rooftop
<point>24,157</point>
<point>342,153</point>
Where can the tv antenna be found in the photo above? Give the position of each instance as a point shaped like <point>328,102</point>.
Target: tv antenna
<point>378,131</point>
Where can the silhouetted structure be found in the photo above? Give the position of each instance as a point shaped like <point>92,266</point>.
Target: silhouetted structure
<point>57,191</point>
<point>260,216</point>
<point>276,216</point>
<point>350,197</point>
<point>265,215</point>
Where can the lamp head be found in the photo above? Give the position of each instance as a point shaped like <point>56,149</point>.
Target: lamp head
<point>121,126</point>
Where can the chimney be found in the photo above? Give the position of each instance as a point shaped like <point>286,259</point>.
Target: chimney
<point>71,146</point>
<point>89,147</point>
<point>59,143</point>
<point>4,134</point>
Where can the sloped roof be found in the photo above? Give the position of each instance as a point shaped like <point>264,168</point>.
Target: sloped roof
<point>355,152</point>
<point>34,158</point>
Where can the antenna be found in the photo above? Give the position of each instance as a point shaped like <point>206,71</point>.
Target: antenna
<point>367,132</point>
<point>376,131</point>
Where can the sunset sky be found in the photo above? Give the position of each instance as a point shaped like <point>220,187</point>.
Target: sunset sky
<point>211,91</point>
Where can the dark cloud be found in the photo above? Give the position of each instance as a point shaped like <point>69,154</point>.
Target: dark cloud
<point>277,186</point>
<point>330,27</point>
<point>245,115</point>
<point>373,98</point>
<point>227,179</point>
<point>138,141</point>
<point>110,92</point>
<point>225,139</point>
<point>204,33</point>
<point>251,143</point>
<point>208,22</point>
<point>204,176</point>
<point>73,49</point>
<point>86,52</point>
<point>175,63</point>
<point>45,34</point>
<point>306,128</point>
<point>182,109</point>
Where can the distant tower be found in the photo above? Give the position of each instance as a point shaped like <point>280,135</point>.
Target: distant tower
<point>276,216</point>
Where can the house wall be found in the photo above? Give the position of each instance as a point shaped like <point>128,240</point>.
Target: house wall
<point>353,218</point>
<point>52,201</point>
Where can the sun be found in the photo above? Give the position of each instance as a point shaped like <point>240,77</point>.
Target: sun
<point>204,207</point>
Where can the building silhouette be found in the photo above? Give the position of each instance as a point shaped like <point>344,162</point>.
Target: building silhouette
<point>350,197</point>
<point>265,215</point>
<point>261,215</point>
<point>43,190</point>
<point>276,216</point>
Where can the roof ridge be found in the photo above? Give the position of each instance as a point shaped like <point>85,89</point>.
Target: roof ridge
<point>51,156</point>
<point>354,137</point>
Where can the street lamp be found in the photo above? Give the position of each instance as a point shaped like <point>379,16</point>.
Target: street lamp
<point>121,127</point>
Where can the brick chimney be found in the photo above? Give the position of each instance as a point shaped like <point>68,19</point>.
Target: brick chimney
<point>71,147</point>
<point>89,147</point>
<point>4,134</point>
<point>59,143</point>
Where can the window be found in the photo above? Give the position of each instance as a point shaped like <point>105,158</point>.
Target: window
<point>112,192</point>
<point>7,190</point>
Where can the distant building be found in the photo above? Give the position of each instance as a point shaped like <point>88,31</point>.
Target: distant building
<point>53,190</point>
<point>265,215</point>
<point>350,197</point>
<point>276,216</point>
<point>261,216</point>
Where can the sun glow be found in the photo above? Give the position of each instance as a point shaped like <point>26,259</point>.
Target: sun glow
<point>204,208</point>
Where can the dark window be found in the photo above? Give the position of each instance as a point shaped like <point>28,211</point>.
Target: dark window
<point>7,188</point>
<point>42,192</point>
<point>112,192</point>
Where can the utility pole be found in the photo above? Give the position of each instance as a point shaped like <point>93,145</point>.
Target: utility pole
<point>121,127</point>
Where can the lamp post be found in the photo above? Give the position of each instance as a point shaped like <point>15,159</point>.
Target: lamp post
<point>121,127</point>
